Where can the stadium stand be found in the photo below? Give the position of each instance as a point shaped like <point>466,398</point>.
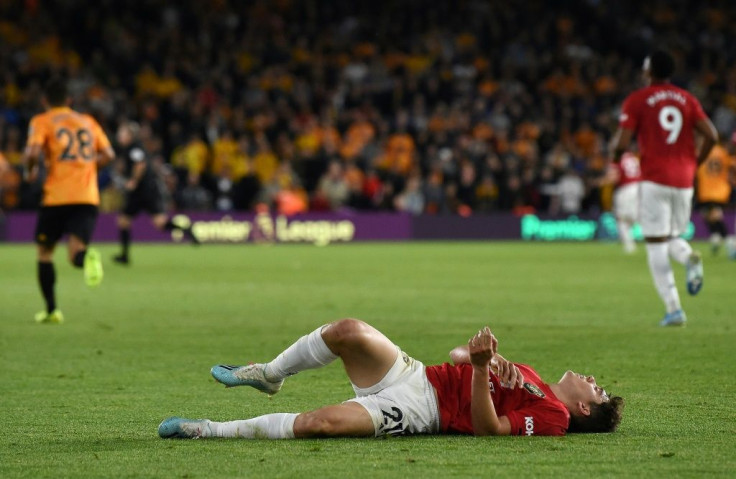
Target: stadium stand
<point>314,105</point>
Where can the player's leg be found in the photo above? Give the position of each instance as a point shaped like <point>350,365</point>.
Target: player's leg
<point>731,244</point>
<point>679,249</point>
<point>656,217</point>
<point>716,227</point>
<point>165,223</point>
<point>131,208</point>
<point>626,206</point>
<point>47,284</point>
<point>81,225</point>
<point>624,232</point>
<point>124,222</point>
<point>366,353</point>
<point>156,206</point>
<point>342,420</point>
<point>49,229</point>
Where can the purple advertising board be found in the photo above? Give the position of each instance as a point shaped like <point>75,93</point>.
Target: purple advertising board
<point>319,229</point>
<point>327,228</point>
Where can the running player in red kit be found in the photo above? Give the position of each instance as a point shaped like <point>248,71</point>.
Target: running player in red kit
<point>481,394</point>
<point>665,120</point>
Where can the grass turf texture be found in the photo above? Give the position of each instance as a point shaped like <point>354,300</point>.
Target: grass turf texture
<point>84,399</point>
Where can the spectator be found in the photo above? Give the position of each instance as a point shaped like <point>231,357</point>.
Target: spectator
<point>333,188</point>
<point>570,192</point>
<point>467,84</point>
<point>411,200</point>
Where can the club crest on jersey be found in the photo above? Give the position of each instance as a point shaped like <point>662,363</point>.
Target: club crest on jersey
<point>534,389</point>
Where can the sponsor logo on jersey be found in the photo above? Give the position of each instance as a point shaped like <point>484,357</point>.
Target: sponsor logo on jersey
<point>534,390</point>
<point>528,423</point>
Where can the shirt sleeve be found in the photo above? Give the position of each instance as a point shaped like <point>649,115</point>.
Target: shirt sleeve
<point>629,117</point>
<point>137,155</point>
<point>36,132</point>
<point>541,420</point>
<point>698,113</point>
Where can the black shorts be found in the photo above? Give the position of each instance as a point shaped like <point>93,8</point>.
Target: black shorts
<point>55,221</point>
<point>149,199</point>
<point>706,206</point>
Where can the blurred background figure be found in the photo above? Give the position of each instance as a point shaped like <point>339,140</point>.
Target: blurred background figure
<point>143,190</point>
<point>570,191</point>
<point>332,190</point>
<point>713,185</point>
<point>626,175</point>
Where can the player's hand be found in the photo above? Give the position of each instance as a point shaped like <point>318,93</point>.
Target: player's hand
<point>482,347</point>
<point>130,185</point>
<point>30,175</point>
<point>507,372</point>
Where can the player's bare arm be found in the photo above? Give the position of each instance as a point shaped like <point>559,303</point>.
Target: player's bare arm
<point>105,156</point>
<point>30,160</point>
<point>508,373</point>
<point>482,348</point>
<point>708,132</point>
<point>138,171</point>
<point>620,143</point>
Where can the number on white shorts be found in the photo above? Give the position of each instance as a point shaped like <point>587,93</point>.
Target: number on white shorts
<point>670,119</point>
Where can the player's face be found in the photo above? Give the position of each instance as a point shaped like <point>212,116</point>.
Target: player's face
<point>583,388</point>
<point>124,135</point>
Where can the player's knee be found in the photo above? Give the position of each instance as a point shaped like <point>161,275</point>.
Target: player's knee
<point>345,332</point>
<point>159,221</point>
<point>45,254</point>
<point>315,424</point>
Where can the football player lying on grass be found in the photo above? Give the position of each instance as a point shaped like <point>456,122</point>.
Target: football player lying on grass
<point>481,393</point>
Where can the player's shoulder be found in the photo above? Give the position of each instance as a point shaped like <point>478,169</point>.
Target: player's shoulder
<point>41,118</point>
<point>637,94</point>
<point>85,117</point>
<point>689,97</point>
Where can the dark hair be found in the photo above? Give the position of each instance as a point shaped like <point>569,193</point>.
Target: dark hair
<point>661,65</point>
<point>55,92</point>
<point>604,417</point>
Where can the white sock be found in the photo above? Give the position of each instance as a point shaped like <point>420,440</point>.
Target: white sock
<point>731,247</point>
<point>680,250</point>
<point>664,278</point>
<point>308,352</point>
<point>627,239</point>
<point>269,426</point>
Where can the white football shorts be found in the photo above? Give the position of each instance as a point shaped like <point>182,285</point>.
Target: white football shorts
<point>664,210</point>
<point>626,202</point>
<point>403,402</point>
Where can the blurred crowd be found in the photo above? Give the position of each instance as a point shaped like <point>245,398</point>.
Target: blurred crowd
<point>427,107</point>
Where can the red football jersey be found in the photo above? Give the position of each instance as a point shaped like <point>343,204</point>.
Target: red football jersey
<point>663,117</point>
<point>629,170</point>
<point>531,410</point>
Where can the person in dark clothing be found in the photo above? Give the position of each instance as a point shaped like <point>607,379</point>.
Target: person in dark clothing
<point>142,191</point>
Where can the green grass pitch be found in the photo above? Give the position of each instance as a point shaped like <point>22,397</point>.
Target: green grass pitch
<point>84,399</point>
